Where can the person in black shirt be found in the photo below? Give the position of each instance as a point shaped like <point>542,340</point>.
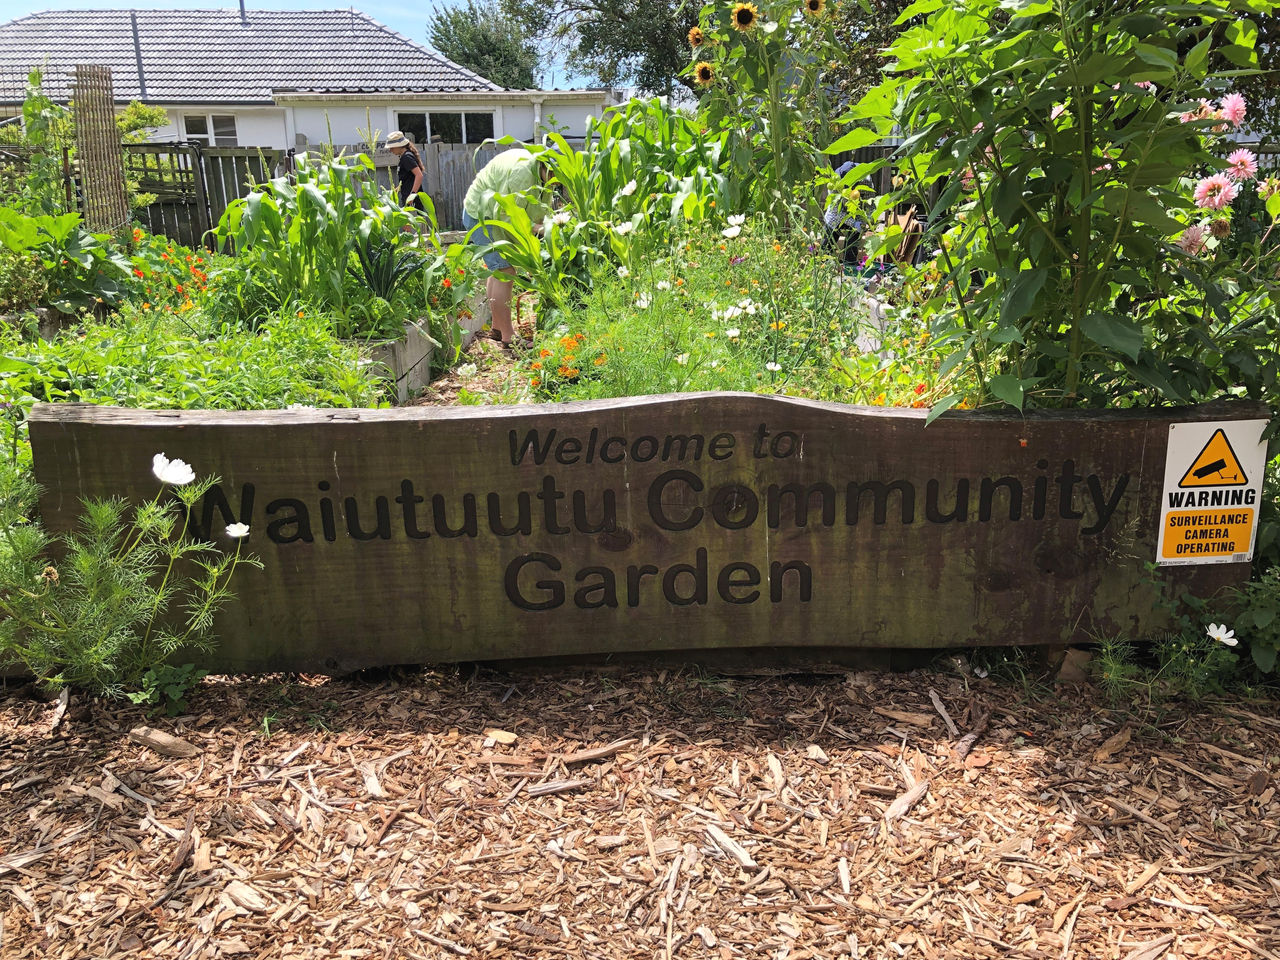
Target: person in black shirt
<point>410,169</point>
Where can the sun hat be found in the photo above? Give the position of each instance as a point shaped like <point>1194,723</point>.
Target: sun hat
<point>397,139</point>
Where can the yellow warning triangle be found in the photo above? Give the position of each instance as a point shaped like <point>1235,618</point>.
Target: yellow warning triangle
<point>1215,466</point>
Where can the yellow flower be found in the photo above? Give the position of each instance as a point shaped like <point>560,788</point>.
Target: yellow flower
<point>704,74</point>
<point>696,37</point>
<point>814,7</point>
<point>778,325</point>
<point>744,16</point>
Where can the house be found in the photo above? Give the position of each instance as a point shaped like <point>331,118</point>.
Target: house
<point>280,78</point>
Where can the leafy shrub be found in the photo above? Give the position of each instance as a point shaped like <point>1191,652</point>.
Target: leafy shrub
<point>1082,262</point>
<point>1259,618</point>
<point>81,269</point>
<point>126,592</point>
<point>22,281</point>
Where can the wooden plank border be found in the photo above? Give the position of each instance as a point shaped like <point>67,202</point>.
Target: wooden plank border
<point>696,521</point>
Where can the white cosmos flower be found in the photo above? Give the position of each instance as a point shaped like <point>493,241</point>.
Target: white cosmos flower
<point>176,472</point>
<point>664,285</point>
<point>467,370</point>
<point>624,228</point>
<point>682,359</point>
<point>1222,634</point>
<point>773,367</point>
<point>733,333</point>
<point>737,220</point>
<point>561,217</point>
<point>237,530</point>
<point>623,272</point>
<point>730,232</point>
<point>628,190</point>
<point>643,301</point>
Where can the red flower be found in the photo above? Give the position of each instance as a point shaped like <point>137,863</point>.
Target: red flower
<point>447,283</point>
<point>920,388</point>
<point>138,273</point>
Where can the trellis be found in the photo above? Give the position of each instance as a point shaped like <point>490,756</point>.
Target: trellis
<point>98,151</point>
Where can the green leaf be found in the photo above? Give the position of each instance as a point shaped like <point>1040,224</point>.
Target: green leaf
<point>1115,333</point>
<point>1197,60</point>
<point>1264,657</point>
<point>1008,388</point>
<point>1273,204</point>
<point>942,406</point>
<point>1157,56</point>
<point>1021,295</point>
<point>853,140</point>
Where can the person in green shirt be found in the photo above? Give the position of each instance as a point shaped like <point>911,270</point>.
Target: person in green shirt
<point>517,172</point>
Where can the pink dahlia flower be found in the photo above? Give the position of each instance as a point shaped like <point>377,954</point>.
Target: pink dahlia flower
<point>1192,240</point>
<point>1243,165</point>
<point>1233,108</point>
<point>1215,192</point>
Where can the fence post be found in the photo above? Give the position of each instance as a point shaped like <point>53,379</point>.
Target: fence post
<point>202,212</point>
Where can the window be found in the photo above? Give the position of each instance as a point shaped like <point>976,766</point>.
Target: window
<point>198,126</point>
<point>446,127</point>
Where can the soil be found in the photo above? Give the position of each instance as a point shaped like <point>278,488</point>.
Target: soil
<point>495,368</point>
<point>640,811</point>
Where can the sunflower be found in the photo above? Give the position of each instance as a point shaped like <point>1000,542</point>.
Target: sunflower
<point>704,74</point>
<point>815,7</point>
<point>696,37</point>
<point>744,16</point>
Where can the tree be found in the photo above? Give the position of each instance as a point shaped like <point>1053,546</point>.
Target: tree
<point>864,29</point>
<point>484,38</point>
<point>642,43</point>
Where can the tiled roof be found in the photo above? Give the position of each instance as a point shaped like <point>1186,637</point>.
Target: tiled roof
<point>210,56</point>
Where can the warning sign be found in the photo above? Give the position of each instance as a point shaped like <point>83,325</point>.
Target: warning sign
<point>1216,466</point>
<point>1212,482</point>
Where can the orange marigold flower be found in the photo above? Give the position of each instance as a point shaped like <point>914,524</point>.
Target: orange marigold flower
<point>146,306</point>
<point>573,372</point>
<point>536,365</point>
<point>563,370</point>
<point>447,283</point>
<point>301,314</point>
<point>534,382</point>
<point>777,248</point>
<point>544,352</point>
<point>600,360</point>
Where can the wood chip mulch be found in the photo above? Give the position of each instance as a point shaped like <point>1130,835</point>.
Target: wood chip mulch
<point>561,812</point>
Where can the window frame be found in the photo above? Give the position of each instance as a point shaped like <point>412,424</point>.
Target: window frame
<point>210,137</point>
<point>426,113</point>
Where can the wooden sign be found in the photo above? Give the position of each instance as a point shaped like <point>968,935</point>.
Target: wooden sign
<point>654,523</point>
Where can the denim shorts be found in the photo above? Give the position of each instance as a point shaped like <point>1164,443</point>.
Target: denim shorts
<point>482,239</point>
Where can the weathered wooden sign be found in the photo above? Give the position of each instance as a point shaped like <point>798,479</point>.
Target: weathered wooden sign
<point>658,523</point>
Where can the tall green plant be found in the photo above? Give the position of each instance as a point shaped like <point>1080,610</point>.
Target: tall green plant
<point>762,72</point>
<point>297,235</point>
<point>1062,140</point>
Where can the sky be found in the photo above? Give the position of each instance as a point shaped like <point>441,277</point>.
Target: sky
<point>406,18</point>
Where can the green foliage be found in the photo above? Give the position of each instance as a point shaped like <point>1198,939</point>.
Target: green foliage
<point>638,43</point>
<point>1258,618</point>
<point>156,359</point>
<point>642,172</point>
<point>168,686</point>
<point>764,87</point>
<point>1059,140</point>
<point>326,239</point>
<point>22,281</point>
<point>1183,663</point>
<point>126,592</point>
<point>46,129</point>
<point>80,269</point>
<point>481,37</point>
<point>708,312</point>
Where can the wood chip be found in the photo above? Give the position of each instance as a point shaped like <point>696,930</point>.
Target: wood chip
<point>730,847</point>
<point>908,800</point>
<point>165,744</point>
<point>1113,745</point>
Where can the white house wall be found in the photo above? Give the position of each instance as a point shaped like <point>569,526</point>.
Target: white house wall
<point>255,127</point>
